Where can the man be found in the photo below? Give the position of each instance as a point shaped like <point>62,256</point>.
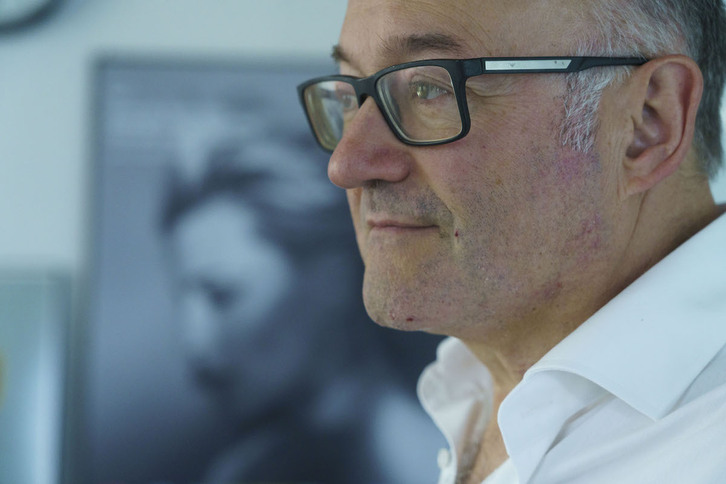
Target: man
<point>568,240</point>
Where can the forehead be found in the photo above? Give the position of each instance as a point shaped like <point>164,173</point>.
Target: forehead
<point>377,33</point>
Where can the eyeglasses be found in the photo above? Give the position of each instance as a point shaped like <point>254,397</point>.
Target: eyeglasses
<point>423,102</point>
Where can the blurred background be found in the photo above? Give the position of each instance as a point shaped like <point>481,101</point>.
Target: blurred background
<point>147,169</point>
<point>179,282</point>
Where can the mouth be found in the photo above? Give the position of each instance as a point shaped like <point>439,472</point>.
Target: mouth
<point>399,226</point>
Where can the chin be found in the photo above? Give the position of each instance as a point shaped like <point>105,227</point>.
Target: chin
<point>423,316</point>
<point>417,300</point>
<point>408,324</point>
<point>389,313</point>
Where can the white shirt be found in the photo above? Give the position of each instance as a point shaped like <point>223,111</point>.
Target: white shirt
<point>637,394</point>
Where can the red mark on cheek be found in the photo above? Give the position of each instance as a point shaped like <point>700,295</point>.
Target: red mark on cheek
<point>550,292</point>
<point>590,232</point>
<point>578,167</point>
<point>409,320</point>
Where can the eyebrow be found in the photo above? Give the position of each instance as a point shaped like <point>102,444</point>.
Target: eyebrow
<point>400,47</point>
<point>339,54</point>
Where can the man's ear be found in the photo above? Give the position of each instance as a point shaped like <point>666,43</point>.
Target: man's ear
<point>665,97</point>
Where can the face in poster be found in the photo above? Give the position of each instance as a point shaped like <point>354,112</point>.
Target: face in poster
<point>227,338</point>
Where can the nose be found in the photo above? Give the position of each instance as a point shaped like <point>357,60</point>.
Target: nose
<point>369,151</point>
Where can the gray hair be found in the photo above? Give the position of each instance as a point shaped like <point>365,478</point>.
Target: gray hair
<point>650,28</point>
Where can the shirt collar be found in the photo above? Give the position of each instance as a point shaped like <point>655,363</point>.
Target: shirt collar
<point>645,347</point>
<point>651,341</point>
<point>456,391</point>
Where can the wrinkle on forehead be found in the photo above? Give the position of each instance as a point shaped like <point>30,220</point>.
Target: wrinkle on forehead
<point>481,27</point>
<point>459,19</point>
<point>409,46</point>
<point>396,31</point>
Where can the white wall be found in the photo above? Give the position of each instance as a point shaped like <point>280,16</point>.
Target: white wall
<point>45,99</point>
<point>718,186</point>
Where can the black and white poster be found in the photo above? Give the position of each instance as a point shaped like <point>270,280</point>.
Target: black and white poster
<point>227,341</point>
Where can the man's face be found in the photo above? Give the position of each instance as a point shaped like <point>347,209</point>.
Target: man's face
<point>500,228</point>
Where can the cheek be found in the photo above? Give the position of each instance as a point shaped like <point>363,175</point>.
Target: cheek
<point>566,215</point>
<point>572,168</point>
<point>484,188</point>
<point>577,188</point>
<point>532,206</point>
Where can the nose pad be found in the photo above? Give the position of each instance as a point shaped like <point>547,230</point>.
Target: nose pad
<point>368,151</point>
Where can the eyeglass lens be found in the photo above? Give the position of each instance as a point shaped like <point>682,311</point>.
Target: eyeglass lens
<point>419,102</point>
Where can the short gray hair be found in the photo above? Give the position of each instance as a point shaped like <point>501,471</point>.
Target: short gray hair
<point>649,28</point>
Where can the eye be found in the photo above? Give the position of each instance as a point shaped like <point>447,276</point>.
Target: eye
<point>347,100</point>
<point>427,90</point>
<point>220,295</point>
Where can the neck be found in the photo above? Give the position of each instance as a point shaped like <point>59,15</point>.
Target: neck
<point>666,216</point>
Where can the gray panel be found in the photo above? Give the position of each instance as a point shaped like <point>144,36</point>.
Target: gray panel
<point>34,312</point>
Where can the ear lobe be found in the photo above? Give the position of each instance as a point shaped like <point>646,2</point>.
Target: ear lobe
<point>667,93</point>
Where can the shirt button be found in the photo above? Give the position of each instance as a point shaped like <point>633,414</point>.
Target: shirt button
<point>444,458</point>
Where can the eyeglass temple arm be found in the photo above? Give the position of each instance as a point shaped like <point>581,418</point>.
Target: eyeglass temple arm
<point>582,63</point>
<point>504,65</point>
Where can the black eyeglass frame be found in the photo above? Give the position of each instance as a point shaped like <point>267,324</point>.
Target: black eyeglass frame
<point>460,70</point>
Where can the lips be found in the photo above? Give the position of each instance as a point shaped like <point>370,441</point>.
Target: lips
<point>395,208</point>
<point>393,225</point>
